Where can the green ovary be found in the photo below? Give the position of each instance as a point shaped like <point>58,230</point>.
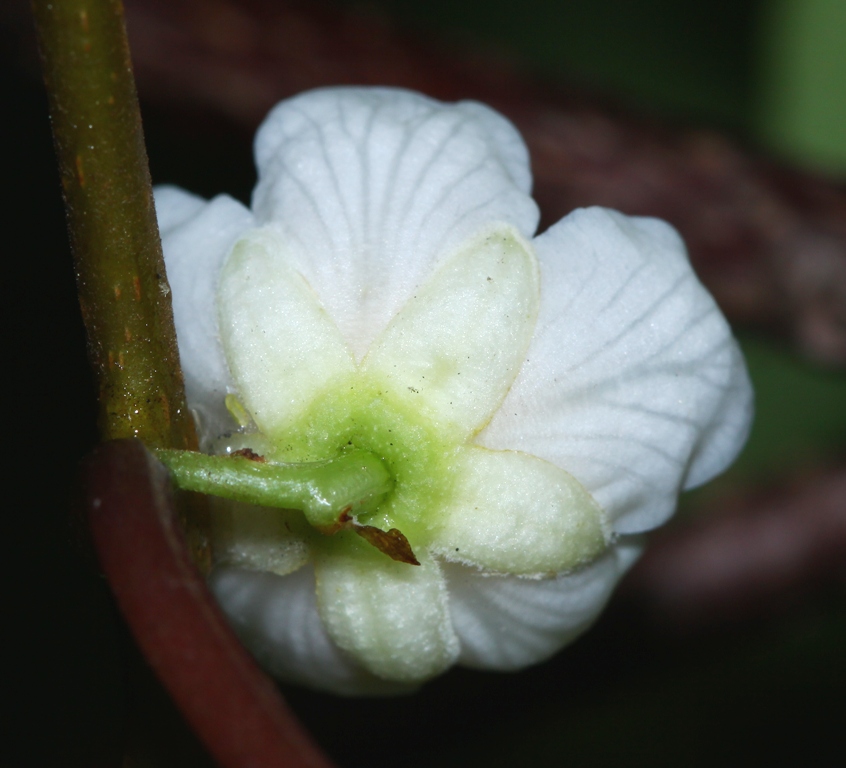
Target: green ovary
<point>360,412</point>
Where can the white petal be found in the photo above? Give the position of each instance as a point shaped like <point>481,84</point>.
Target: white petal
<point>175,206</point>
<point>457,345</point>
<point>282,348</point>
<point>392,618</point>
<point>633,382</point>
<point>373,185</point>
<point>517,514</point>
<point>196,236</point>
<point>276,618</point>
<point>507,622</point>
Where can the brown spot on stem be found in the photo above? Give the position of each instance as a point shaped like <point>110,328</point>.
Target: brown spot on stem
<point>165,406</point>
<point>136,285</point>
<point>111,359</point>
<point>80,173</point>
<point>127,334</point>
<point>249,453</point>
<point>117,291</point>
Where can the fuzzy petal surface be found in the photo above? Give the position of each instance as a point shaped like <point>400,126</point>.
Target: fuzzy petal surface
<point>392,618</point>
<point>281,346</point>
<point>258,538</point>
<point>372,186</point>
<point>460,340</point>
<point>196,237</point>
<point>518,514</point>
<point>506,622</point>
<point>633,382</point>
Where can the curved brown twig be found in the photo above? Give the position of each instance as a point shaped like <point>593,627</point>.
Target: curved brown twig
<point>234,709</point>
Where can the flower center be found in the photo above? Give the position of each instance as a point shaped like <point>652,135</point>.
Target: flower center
<point>360,412</point>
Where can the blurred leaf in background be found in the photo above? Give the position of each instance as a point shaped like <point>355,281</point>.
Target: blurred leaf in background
<point>802,82</point>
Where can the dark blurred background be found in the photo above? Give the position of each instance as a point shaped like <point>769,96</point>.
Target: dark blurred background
<point>660,680</point>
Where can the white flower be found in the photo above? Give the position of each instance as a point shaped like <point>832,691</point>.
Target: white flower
<point>539,402</point>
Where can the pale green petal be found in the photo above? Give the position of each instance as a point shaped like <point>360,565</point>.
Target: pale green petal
<point>515,513</point>
<point>258,538</point>
<point>457,345</point>
<point>281,346</point>
<point>392,618</point>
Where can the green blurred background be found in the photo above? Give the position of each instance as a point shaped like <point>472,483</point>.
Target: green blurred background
<point>632,691</point>
<point>773,70</point>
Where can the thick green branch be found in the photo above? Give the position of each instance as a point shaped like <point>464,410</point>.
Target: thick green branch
<point>123,289</point>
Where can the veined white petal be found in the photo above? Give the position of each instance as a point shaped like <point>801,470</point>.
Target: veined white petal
<point>196,237</point>
<point>518,514</point>
<point>458,343</point>
<point>276,618</point>
<point>506,622</point>
<point>392,618</point>
<point>372,186</point>
<point>633,382</point>
<point>282,348</point>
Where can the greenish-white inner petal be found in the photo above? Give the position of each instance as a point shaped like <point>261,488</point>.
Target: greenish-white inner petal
<point>392,618</point>
<point>459,342</point>
<point>259,538</point>
<point>280,344</point>
<point>515,513</point>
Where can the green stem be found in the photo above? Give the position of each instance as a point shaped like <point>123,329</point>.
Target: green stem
<point>123,289</point>
<point>354,482</point>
